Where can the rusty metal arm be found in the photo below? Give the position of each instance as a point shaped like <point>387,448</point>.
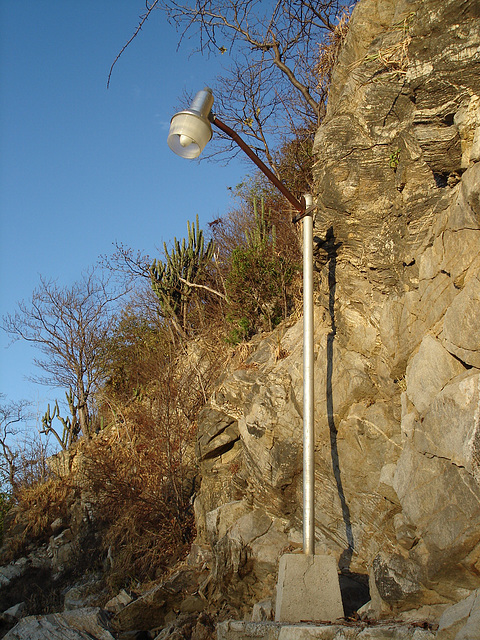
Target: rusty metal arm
<point>299,205</point>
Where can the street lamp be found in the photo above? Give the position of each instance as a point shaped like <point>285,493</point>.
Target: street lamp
<point>190,130</point>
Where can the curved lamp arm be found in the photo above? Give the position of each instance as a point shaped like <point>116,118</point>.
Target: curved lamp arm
<point>190,131</point>
<point>299,206</point>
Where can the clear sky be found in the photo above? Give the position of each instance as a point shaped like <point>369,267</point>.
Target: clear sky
<point>82,166</point>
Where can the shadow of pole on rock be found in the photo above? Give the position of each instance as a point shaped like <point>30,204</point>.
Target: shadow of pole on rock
<point>331,249</point>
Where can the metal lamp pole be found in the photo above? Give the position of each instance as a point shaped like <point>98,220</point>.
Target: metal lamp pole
<point>190,131</point>
<point>308,387</point>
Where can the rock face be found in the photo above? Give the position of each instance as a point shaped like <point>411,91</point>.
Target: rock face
<point>397,339</point>
<point>83,624</point>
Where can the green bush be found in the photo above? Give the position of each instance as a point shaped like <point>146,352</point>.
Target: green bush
<point>257,282</point>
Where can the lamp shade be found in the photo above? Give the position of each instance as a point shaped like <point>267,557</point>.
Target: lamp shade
<point>188,134</point>
<point>190,130</point>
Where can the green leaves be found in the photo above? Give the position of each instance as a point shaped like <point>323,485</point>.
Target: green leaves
<point>257,282</point>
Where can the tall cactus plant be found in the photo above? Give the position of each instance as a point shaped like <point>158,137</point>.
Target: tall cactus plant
<point>71,427</point>
<point>262,233</point>
<point>173,279</point>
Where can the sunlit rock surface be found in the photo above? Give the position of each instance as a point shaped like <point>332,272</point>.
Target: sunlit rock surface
<point>397,338</point>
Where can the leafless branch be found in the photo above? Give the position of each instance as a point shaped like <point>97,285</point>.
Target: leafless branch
<point>202,286</point>
<point>143,19</point>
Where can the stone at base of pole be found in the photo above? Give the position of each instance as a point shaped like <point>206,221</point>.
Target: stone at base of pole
<point>308,589</point>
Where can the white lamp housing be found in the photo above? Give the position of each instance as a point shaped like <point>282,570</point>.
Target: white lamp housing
<point>190,130</point>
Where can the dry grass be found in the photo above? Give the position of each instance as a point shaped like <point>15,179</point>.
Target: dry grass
<point>37,507</point>
<point>142,468</point>
<point>394,58</point>
<point>329,51</point>
<point>143,480</point>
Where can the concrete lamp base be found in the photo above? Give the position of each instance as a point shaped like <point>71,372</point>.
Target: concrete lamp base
<point>308,589</point>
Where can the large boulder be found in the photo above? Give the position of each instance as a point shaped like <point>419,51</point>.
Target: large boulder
<point>81,624</point>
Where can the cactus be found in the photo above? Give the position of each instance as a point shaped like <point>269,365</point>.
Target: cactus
<point>71,427</point>
<point>184,265</point>
<point>258,237</point>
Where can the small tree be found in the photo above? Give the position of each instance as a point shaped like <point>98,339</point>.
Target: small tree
<point>271,86</point>
<point>12,415</point>
<point>69,325</point>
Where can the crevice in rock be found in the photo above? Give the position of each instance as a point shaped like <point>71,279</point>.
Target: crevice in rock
<point>220,431</point>
<point>448,119</point>
<point>462,362</point>
<point>434,456</point>
<point>354,591</point>
<point>391,110</point>
<point>219,451</point>
<point>441,179</point>
<point>260,535</point>
<point>255,430</point>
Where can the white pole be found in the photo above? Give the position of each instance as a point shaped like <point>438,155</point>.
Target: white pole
<point>308,387</point>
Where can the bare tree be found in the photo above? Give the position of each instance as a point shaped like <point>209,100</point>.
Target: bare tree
<point>70,326</point>
<point>269,89</point>
<point>12,415</point>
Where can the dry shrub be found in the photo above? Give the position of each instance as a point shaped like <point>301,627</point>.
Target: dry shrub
<point>38,505</point>
<point>32,468</point>
<point>258,278</point>
<point>142,490</point>
<point>329,50</point>
<point>141,468</point>
<point>229,231</point>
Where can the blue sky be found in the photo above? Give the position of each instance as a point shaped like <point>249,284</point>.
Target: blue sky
<point>82,166</point>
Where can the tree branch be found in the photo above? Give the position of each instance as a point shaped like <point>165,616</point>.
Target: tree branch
<point>137,30</point>
<point>202,286</point>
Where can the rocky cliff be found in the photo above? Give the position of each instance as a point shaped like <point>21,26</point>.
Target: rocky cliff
<point>397,340</point>
<point>397,379</point>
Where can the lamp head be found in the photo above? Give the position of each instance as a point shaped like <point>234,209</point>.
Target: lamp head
<point>190,130</point>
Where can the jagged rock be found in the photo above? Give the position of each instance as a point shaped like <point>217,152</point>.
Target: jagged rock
<point>219,434</point>
<point>405,533</point>
<point>13,614</point>
<point>84,595</point>
<point>450,428</point>
<point>250,527</point>
<point>396,578</point>
<point>462,319</point>
<point>82,624</point>
<point>13,570</point>
<point>221,519</point>
<point>429,371</point>
<point>237,630</point>
<point>57,526</point>
<point>196,627</point>
<point>262,611</point>
<point>151,609</point>
<point>447,529</point>
<point>116,604</point>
